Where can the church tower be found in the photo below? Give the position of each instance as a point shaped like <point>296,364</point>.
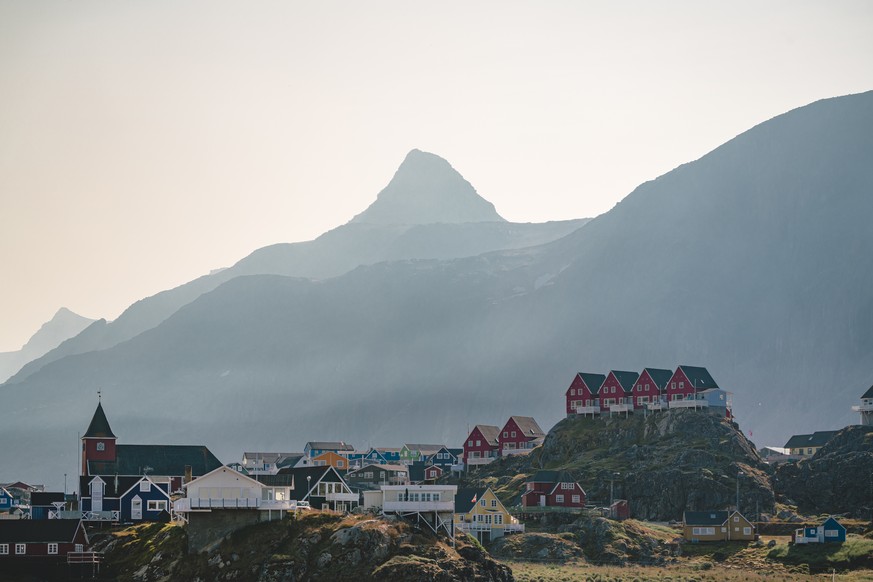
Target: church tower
<point>98,443</point>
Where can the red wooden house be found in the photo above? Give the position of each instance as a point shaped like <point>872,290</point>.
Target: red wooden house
<point>617,390</point>
<point>582,395</point>
<point>650,389</point>
<point>519,435</point>
<point>686,382</point>
<point>482,445</point>
<point>553,489</point>
<point>43,540</point>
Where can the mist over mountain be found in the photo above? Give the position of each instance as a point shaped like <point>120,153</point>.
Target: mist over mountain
<point>62,326</point>
<point>754,261</point>
<point>427,211</point>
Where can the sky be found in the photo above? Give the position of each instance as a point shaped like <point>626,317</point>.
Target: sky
<point>145,143</point>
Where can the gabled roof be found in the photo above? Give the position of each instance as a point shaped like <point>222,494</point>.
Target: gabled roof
<point>99,427</point>
<point>266,457</point>
<point>376,467</point>
<point>555,477</point>
<point>302,485</point>
<point>816,439</point>
<point>38,530</point>
<point>223,469</point>
<point>528,426</point>
<point>868,393</point>
<point>162,487</point>
<point>467,497</point>
<point>625,379</point>
<point>167,460</point>
<point>289,460</point>
<point>489,433</point>
<point>660,377</point>
<point>456,452</point>
<point>593,381</point>
<point>329,445</point>
<point>699,377</point>
<point>832,521</point>
<point>114,485</point>
<point>278,480</point>
<point>705,517</point>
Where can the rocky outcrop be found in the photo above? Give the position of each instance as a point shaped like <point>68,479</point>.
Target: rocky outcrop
<point>537,546</point>
<point>314,547</point>
<point>836,479</point>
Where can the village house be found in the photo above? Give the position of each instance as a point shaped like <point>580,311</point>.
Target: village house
<point>445,458</point>
<point>420,472</point>
<point>865,409</point>
<point>257,463</point>
<point>553,489</point>
<point>481,514</point>
<point>694,387</point>
<point>431,505</point>
<point>410,453</point>
<point>320,487</point>
<point>133,482</point>
<point>43,540</point>
<point>316,448</point>
<point>482,445</point>
<point>716,526</point>
<point>6,500</point>
<point>520,435</point>
<point>830,531</point>
<point>374,475</point>
<point>650,389</point>
<point>616,392</point>
<point>331,459</point>
<point>806,445</point>
<point>582,395</point>
<point>46,504</point>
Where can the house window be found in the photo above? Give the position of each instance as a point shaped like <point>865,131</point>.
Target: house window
<point>505,434</point>
<point>478,443</point>
<point>20,549</point>
<point>340,464</point>
<point>498,519</point>
<point>101,446</point>
<point>681,385</point>
<point>513,434</point>
<point>747,531</point>
<point>4,549</point>
<point>482,503</point>
<point>577,499</point>
<point>703,531</point>
<point>52,549</point>
<point>559,499</point>
<point>736,519</point>
<point>832,533</point>
<point>469,443</point>
<point>672,385</point>
<point>145,486</point>
<point>157,505</point>
<point>572,392</point>
<point>493,503</point>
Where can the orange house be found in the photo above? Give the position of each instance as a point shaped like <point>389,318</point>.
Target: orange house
<point>331,459</point>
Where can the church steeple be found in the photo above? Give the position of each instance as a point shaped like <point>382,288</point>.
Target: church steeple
<point>98,442</point>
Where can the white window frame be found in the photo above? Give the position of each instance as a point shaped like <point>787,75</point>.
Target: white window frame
<point>747,531</point>
<point>145,486</point>
<point>20,549</point>
<point>4,549</point>
<point>101,446</point>
<point>559,498</point>
<point>53,549</point>
<point>577,499</point>
<point>156,505</point>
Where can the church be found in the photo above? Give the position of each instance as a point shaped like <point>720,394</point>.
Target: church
<point>130,483</point>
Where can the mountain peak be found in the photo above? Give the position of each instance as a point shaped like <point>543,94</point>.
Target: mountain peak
<point>426,189</point>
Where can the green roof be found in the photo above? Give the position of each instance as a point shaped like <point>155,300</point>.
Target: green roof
<point>626,379</point>
<point>699,377</point>
<point>660,377</point>
<point>593,381</point>
<point>816,439</point>
<point>99,427</point>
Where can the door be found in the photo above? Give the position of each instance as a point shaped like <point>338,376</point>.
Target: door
<point>97,496</point>
<point>136,508</point>
<point>542,500</point>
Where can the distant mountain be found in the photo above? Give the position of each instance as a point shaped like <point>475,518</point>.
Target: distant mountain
<point>754,261</point>
<point>62,326</point>
<point>426,189</point>
<point>427,211</point>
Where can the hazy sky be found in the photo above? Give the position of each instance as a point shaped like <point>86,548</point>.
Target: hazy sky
<point>143,143</point>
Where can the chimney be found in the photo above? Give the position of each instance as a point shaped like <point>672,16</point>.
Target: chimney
<point>188,474</point>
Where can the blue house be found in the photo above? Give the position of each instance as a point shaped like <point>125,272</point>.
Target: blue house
<point>42,504</point>
<point>5,500</point>
<point>146,500</point>
<point>445,457</point>
<point>830,531</point>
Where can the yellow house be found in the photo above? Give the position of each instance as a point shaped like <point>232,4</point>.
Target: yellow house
<point>480,513</point>
<point>716,526</point>
<point>331,459</point>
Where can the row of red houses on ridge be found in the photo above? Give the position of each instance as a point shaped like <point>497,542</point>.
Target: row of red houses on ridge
<point>486,442</point>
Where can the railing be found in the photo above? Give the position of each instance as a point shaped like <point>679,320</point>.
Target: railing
<point>689,404</point>
<point>195,503</point>
<point>99,515</point>
<point>507,452</point>
<point>478,526</point>
<point>588,410</point>
<point>84,557</point>
<point>404,506</point>
<point>621,407</point>
<point>480,460</point>
<point>863,407</point>
<point>346,497</point>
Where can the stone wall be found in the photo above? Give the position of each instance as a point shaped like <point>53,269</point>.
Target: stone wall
<point>206,529</point>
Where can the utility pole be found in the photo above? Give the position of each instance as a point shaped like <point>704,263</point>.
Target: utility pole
<point>611,488</point>
<point>739,475</point>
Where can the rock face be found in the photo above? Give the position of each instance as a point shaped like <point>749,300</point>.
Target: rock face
<point>834,480</point>
<point>663,464</point>
<point>314,547</point>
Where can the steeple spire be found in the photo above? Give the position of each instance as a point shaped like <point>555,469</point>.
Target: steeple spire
<point>99,427</point>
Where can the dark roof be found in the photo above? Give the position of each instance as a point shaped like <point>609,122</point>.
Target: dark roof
<point>467,497</point>
<point>699,377</point>
<point>377,467</point>
<point>552,477</point>
<point>38,530</point>
<point>416,471</point>
<point>704,517</point>
<point>528,426</point>
<point>277,480</point>
<point>301,485</point>
<point>115,485</point>
<point>626,379</point>
<point>330,446</point>
<point>868,393</point>
<point>816,439</point>
<point>424,449</point>
<point>489,433</point>
<point>457,452</point>
<point>660,377</point>
<point>593,381</point>
<point>45,499</point>
<point>99,427</point>
<point>289,460</point>
<point>166,460</point>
